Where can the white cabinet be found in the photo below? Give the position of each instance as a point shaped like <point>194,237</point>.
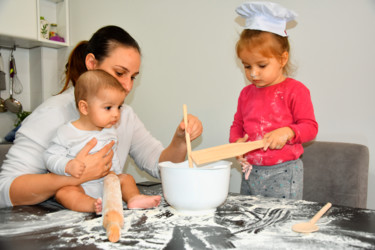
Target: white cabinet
<point>20,22</point>
<point>17,19</point>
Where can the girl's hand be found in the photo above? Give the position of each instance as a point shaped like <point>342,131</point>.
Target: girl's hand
<point>194,128</point>
<point>96,165</point>
<point>246,166</point>
<point>277,138</point>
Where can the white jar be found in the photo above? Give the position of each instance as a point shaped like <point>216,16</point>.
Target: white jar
<point>44,28</point>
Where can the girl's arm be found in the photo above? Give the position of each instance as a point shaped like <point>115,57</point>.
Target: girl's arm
<point>237,128</point>
<point>304,127</point>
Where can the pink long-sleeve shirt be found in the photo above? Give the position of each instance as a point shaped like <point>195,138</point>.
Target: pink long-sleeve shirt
<point>262,110</point>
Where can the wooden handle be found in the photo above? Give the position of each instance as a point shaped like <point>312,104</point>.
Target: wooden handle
<point>187,137</point>
<point>320,213</point>
<point>112,215</point>
<point>224,151</point>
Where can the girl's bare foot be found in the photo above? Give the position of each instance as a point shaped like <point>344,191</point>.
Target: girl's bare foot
<point>144,201</point>
<point>98,206</point>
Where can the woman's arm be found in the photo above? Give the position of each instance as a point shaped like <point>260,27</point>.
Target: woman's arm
<point>24,174</point>
<point>31,189</point>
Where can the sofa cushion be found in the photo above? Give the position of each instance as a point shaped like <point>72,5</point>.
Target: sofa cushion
<point>336,172</point>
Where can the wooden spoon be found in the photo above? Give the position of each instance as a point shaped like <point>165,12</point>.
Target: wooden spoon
<point>187,137</point>
<point>308,227</point>
<point>224,151</point>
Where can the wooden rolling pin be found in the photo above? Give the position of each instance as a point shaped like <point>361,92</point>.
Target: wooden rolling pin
<point>112,213</point>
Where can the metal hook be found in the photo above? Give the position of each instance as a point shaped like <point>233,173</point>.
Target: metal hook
<point>11,48</point>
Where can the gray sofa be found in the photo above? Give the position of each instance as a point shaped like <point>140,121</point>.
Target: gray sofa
<point>334,172</point>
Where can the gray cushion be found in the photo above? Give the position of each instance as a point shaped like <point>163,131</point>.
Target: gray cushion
<point>336,172</point>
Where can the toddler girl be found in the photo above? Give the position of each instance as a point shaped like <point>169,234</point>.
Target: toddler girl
<point>273,107</point>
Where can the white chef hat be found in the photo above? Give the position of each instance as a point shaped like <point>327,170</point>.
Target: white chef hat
<point>266,16</point>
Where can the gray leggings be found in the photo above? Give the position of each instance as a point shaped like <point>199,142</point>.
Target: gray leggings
<point>284,180</point>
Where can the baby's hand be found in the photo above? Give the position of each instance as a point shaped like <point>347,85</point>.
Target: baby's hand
<point>277,138</point>
<point>75,168</point>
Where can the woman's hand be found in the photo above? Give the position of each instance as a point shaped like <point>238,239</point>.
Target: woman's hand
<point>96,165</point>
<point>246,166</point>
<point>277,138</point>
<point>194,128</point>
<point>176,151</point>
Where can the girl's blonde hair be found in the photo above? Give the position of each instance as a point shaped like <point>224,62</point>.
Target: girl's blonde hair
<point>266,43</point>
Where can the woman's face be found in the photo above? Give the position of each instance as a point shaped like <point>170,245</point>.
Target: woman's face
<point>123,63</point>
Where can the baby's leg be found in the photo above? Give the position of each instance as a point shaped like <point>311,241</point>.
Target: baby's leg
<point>74,198</point>
<point>131,195</point>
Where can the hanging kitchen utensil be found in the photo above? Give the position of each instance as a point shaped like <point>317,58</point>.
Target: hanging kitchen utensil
<point>17,85</point>
<point>12,104</point>
<point>2,74</point>
<point>2,85</point>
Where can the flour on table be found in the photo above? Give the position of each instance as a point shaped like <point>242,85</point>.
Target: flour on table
<point>241,222</point>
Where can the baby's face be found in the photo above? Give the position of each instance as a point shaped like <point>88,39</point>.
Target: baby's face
<point>104,110</point>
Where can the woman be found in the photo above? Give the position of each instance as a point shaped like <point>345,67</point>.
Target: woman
<point>24,179</point>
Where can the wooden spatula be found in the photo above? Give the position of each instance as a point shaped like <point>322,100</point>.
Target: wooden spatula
<point>187,137</point>
<point>224,151</point>
<point>308,227</point>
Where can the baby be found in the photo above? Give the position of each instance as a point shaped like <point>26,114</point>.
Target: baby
<point>99,99</point>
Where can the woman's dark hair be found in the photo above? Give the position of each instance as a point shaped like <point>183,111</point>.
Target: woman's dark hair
<point>100,45</point>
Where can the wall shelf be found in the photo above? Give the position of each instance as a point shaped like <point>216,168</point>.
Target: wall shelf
<point>54,11</point>
<point>27,43</point>
<point>25,33</point>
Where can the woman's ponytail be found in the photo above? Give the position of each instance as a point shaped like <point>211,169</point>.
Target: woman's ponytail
<point>76,64</point>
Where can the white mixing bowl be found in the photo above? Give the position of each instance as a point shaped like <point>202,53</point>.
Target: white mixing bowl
<point>198,190</point>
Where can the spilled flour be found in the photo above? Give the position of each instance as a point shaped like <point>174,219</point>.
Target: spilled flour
<point>242,223</point>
